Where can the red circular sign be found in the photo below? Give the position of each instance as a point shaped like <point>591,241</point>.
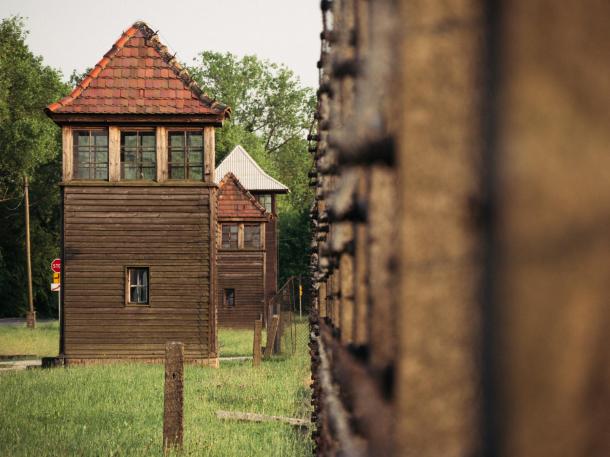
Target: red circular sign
<point>56,265</point>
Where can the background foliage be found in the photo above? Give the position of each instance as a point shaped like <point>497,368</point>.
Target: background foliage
<point>270,116</point>
<point>29,145</point>
<point>271,113</point>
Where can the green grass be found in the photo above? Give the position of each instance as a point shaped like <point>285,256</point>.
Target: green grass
<point>236,342</point>
<point>117,409</point>
<point>43,341</point>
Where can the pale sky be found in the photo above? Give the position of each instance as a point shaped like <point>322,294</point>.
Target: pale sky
<point>75,34</point>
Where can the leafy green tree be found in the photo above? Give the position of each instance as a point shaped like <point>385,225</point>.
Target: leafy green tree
<point>29,145</point>
<point>271,114</point>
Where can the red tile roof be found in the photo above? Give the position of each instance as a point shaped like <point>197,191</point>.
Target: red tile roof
<point>138,75</point>
<point>235,202</point>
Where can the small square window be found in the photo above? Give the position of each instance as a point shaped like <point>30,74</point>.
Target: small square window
<point>137,281</point>
<point>229,297</point>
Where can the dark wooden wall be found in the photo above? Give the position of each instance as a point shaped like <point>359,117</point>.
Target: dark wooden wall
<point>462,229</point>
<point>166,228</point>
<point>241,269</point>
<point>244,271</point>
<point>271,258</point>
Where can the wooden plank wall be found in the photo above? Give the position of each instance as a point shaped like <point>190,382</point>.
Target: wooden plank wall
<point>107,228</point>
<point>243,271</point>
<point>461,227</point>
<point>271,258</point>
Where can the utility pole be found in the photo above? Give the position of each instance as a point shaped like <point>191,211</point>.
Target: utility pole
<point>31,316</point>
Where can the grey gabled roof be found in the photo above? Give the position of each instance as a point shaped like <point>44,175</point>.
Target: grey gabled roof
<point>249,173</point>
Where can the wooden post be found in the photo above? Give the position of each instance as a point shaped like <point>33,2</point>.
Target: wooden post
<point>209,149</point>
<point>271,332</point>
<point>31,315</point>
<point>114,154</point>
<point>256,350</point>
<point>286,318</point>
<point>280,333</point>
<point>67,153</point>
<point>162,154</point>
<point>173,407</point>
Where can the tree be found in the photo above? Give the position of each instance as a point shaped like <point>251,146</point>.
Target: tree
<point>29,145</point>
<point>271,113</point>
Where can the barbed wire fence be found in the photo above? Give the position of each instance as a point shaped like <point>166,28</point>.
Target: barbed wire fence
<point>292,304</point>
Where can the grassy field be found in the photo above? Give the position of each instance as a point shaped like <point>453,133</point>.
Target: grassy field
<point>236,342</point>
<point>117,409</point>
<point>16,339</point>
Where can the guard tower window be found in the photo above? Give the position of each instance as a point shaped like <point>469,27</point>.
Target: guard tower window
<point>252,236</point>
<point>137,285</point>
<point>186,155</point>
<point>90,154</point>
<point>229,236</point>
<point>229,297</point>
<point>138,155</point>
<point>265,200</point>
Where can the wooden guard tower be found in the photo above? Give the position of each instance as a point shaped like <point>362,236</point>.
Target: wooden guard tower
<point>139,205</point>
<point>247,241</point>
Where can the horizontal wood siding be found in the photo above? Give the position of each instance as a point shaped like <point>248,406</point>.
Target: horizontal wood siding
<point>272,258</point>
<point>107,229</point>
<point>243,271</point>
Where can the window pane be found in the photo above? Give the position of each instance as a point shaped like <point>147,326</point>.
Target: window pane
<point>195,173</point>
<point>148,140</point>
<point>229,297</point>
<point>100,139</point>
<point>195,157</point>
<point>229,236</point>
<point>134,295</point>
<point>177,156</point>
<point>82,155</point>
<point>129,139</point>
<point>195,140</point>
<point>128,172</point>
<point>138,155</point>
<point>82,172</point>
<point>81,137</point>
<point>265,201</point>
<point>101,156</point>
<point>90,154</point>
<point>138,285</point>
<point>176,140</point>
<point>176,172</point>
<point>149,155</point>
<point>129,156</point>
<point>149,173</point>
<point>101,173</point>
<point>226,235</point>
<point>251,236</point>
